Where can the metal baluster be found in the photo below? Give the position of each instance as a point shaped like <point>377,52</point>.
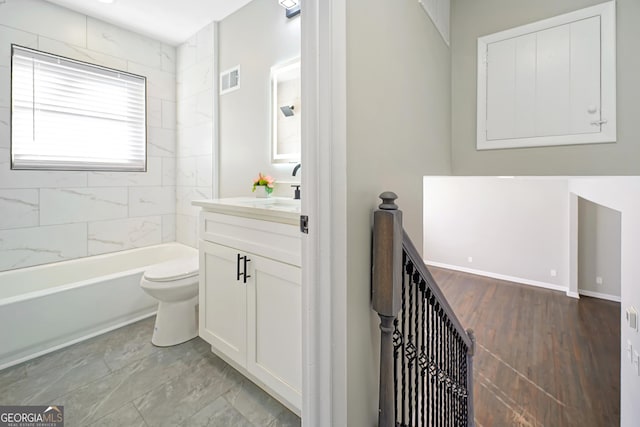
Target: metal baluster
<point>404,341</point>
<point>423,353</point>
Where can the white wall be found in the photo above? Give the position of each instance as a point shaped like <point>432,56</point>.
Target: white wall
<point>623,195</point>
<point>516,229</point>
<point>256,37</point>
<point>195,118</point>
<point>53,216</point>
<point>599,245</point>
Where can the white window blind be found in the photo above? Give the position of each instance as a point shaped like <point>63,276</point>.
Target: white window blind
<point>70,115</point>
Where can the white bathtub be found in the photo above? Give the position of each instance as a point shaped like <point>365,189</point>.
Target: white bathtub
<point>44,308</point>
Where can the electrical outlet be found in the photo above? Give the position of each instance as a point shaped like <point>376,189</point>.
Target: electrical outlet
<point>598,280</point>
<point>629,350</point>
<point>553,273</point>
<point>470,259</point>
<point>632,318</point>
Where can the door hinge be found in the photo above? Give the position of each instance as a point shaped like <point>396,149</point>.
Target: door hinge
<point>304,224</point>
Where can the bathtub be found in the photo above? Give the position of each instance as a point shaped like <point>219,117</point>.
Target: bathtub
<point>47,307</point>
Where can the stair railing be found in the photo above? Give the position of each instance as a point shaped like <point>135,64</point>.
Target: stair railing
<point>426,356</point>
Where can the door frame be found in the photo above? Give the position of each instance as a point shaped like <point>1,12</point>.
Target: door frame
<point>324,136</point>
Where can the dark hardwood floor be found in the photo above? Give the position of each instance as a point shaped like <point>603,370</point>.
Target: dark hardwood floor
<point>542,358</point>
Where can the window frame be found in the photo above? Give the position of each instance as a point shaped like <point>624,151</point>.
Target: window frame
<point>80,166</point>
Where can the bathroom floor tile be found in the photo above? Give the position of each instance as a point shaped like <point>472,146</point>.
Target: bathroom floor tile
<point>219,413</point>
<point>253,403</point>
<point>178,399</point>
<point>128,416</point>
<point>120,378</point>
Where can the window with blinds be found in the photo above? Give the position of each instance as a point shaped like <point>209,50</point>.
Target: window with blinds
<point>71,115</point>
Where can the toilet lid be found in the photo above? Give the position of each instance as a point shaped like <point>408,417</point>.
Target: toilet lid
<point>172,270</point>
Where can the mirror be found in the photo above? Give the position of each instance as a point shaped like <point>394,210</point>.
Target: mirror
<point>285,112</point>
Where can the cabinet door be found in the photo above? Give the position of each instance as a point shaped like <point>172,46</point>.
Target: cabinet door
<point>274,327</point>
<point>223,301</point>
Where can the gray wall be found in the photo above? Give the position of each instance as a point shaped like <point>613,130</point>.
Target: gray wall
<point>599,244</point>
<point>473,18</point>
<point>257,37</point>
<point>398,129</point>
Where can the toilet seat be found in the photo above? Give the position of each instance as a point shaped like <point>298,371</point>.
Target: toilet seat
<point>176,270</point>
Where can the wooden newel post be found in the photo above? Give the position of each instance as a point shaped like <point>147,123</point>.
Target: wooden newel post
<point>386,295</point>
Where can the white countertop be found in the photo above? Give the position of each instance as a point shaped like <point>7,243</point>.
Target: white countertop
<point>275,209</point>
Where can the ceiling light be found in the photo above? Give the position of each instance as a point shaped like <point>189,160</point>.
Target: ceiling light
<point>288,4</point>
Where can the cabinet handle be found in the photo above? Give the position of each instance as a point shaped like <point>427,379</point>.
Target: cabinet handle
<point>238,267</point>
<point>246,276</point>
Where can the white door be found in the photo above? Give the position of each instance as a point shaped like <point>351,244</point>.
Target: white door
<point>223,300</point>
<point>274,326</point>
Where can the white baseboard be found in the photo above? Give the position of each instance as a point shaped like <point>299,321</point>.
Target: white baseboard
<point>599,295</point>
<point>573,294</point>
<point>500,276</point>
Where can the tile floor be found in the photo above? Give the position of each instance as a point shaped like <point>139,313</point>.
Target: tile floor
<point>121,379</point>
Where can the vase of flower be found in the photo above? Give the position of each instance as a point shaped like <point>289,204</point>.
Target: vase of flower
<point>263,186</point>
<point>261,192</point>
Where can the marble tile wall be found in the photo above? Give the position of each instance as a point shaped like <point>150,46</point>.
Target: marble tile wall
<point>53,216</point>
<point>194,154</point>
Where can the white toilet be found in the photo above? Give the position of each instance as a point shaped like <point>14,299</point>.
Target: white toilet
<point>175,285</point>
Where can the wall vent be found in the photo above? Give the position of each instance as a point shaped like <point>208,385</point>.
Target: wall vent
<point>230,80</point>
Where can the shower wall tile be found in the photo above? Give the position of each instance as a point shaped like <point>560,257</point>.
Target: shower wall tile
<point>169,114</point>
<point>196,78</point>
<point>21,38</point>
<point>184,197</point>
<point>118,235</point>
<point>186,113</point>
<point>186,175</point>
<point>116,41</point>
<point>195,116</point>
<point>40,245</point>
<point>186,53</point>
<point>168,59</point>
<point>81,54</point>
<point>67,205</point>
<point>187,230</point>
<point>205,43</point>
<point>153,176</point>
<point>45,19</point>
<point>52,211</point>
<point>19,208</point>
<point>204,107</point>
<point>147,201</point>
<point>196,140</point>
<point>154,112</point>
<point>168,228</point>
<point>37,179</point>
<point>4,127</point>
<point>168,171</point>
<point>161,142</point>
<point>5,86</point>
<point>204,168</point>
<point>159,83</point>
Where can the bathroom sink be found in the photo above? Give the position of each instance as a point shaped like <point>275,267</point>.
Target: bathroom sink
<point>276,209</point>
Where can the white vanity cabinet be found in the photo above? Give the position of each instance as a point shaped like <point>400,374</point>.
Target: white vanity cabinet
<point>250,300</point>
